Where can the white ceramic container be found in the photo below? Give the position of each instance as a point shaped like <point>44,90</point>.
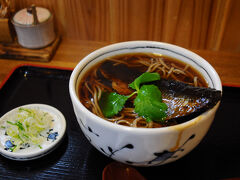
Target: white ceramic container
<point>141,146</point>
<point>34,31</point>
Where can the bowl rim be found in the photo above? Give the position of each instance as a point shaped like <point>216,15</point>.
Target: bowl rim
<point>106,49</point>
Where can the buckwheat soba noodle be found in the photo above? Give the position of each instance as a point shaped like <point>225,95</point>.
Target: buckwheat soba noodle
<point>114,74</point>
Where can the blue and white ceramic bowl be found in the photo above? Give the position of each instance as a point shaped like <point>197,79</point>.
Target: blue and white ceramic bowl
<point>51,137</point>
<point>141,146</point>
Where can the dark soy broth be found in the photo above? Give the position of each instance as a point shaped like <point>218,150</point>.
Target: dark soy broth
<point>115,73</point>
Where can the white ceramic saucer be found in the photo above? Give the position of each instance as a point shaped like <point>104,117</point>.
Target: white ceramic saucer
<point>55,135</point>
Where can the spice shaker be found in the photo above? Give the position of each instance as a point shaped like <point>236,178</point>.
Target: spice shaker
<point>34,27</point>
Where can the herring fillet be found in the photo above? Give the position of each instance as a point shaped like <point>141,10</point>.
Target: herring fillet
<point>185,101</point>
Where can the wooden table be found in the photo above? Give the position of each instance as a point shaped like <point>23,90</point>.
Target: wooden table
<point>70,52</point>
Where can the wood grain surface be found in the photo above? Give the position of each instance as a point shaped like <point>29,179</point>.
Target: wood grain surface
<point>194,24</point>
<point>5,33</point>
<point>15,51</point>
<point>70,52</point>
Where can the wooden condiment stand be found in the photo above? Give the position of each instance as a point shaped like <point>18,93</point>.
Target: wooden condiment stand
<point>6,33</point>
<point>13,50</point>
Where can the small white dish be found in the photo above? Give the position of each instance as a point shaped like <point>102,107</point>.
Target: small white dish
<point>55,134</point>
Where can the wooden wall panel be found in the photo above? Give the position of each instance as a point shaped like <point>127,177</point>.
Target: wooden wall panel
<point>201,15</point>
<point>195,24</point>
<point>219,13</point>
<point>231,35</point>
